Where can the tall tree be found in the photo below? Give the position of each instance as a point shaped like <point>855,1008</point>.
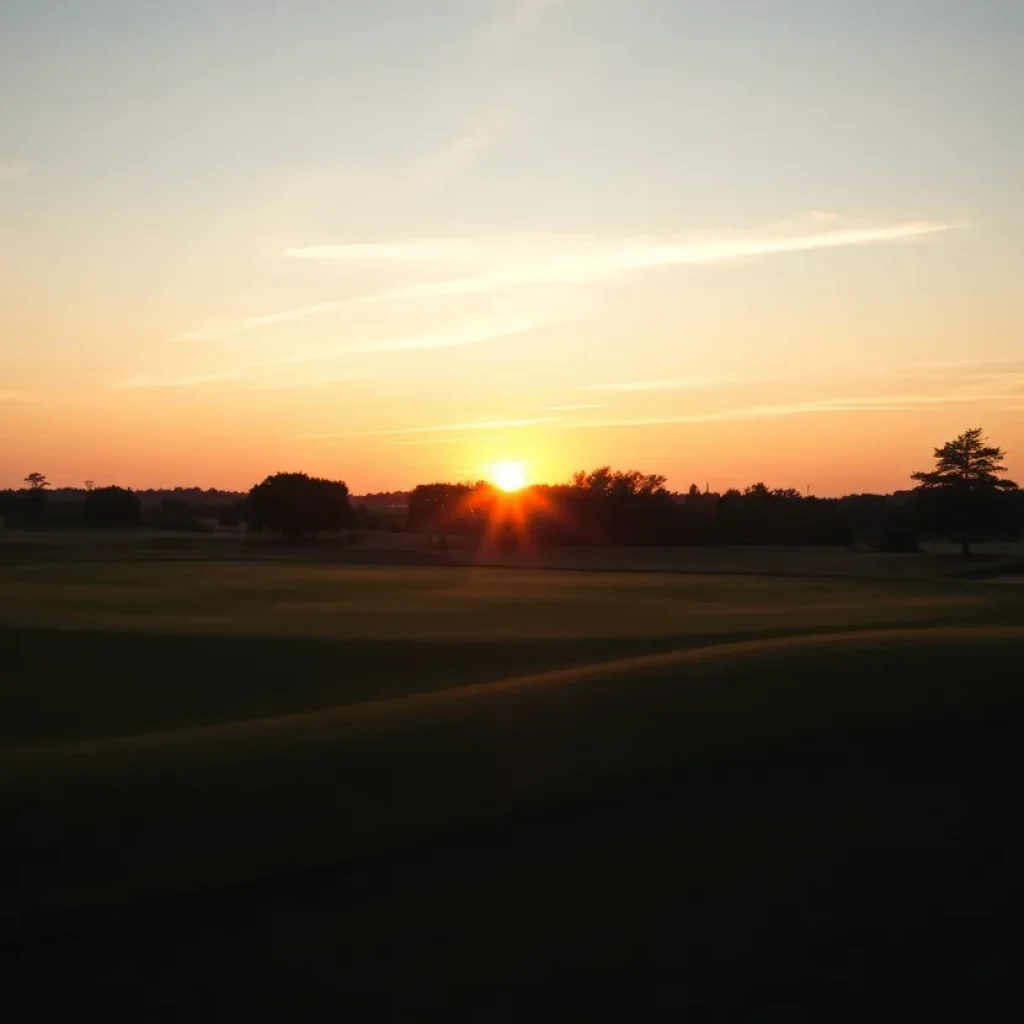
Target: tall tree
<point>967,474</point>
<point>37,481</point>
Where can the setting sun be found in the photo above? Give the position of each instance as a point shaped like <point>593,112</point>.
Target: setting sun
<point>509,476</point>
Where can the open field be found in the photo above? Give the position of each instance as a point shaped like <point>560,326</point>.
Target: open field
<point>936,560</point>
<point>114,648</point>
<point>262,785</point>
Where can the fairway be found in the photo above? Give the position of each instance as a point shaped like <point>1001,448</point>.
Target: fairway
<point>106,649</point>
<point>385,764</point>
<point>464,604</point>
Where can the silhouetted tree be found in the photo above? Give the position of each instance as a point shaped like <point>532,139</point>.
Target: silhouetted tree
<point>32,506</point>
<point>175,514</point>
<point>607,481</point>
<point>899,531</point>
<point>779,515</point>
<point>598,481</point>
<point>298,506</point>
<point>615,507</point>
<point>112,506</point>
<point>965,483</point>
<point>444,509</point>
<point>606,506</point>
<point>232,513</point>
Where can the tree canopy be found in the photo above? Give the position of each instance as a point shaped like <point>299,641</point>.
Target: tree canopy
<point>962,493</point>
<point>112,506</point>
<point>298,506</point>
<point>967,462</point>
<point>607,481</point>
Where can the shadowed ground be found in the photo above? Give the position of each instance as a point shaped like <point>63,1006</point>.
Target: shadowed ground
<point>784,825</point>
<point>859,875</point>
<point>96,649</point>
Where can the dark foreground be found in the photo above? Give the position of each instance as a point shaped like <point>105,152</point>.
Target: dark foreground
<point>862,873</point>
<point>305,793</point>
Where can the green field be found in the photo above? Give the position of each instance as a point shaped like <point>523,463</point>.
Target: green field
<point>175,729</point>
<point>108,649</point>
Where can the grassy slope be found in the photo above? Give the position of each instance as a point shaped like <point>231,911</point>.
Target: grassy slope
<point>152,814</point>
<point>816,822</point>
<point>721,815</point>
<point>345,602</point>
<point>862,874</point>
<point>111,649</point>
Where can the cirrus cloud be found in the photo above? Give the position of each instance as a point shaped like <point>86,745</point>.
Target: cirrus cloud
<point>510,424</point>
<point>496,265</point>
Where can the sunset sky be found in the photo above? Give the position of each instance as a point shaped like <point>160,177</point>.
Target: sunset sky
<point>399,241</point>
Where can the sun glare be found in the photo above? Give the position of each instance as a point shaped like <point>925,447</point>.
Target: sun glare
<point>509,476</point>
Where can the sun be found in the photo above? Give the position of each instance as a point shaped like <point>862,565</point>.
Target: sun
<point>509,476</point>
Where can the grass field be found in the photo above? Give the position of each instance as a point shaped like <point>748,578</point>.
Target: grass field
<point>456,786</point>
<point>106,649</point>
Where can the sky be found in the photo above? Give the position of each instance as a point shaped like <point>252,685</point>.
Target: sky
<point>400,241</point>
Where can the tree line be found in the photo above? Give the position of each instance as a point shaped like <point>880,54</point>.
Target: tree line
<point>966,497</point>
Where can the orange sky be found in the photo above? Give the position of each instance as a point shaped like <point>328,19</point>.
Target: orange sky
<point>831,452</point>
<point>526,230</point>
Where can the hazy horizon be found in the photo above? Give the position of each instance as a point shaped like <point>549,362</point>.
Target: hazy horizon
<point>399,242</point>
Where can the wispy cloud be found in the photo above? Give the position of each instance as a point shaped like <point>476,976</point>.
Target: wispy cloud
<point>976,371</point>
<point>454,157</point>
<point>958,364</point>
<point>511,424</point>
<point>261,377</point>
<point>213,332</point>
<point>299,369</point>
<point>690,384</point>
<point>454,338</point>
<point>457,337</point>
<point>575,407</point>
<point>445,440</point>
<point>431,250</point>
<point>472,335</point>
<point>148,380</point>
<point>871,403</point>
<point>499,264</point>
<point>532,421</point>
<point>861,403</point>
<point>11,170</point>
<point>494,118</point>
<point>547,258</point>
<point>319,381</point>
